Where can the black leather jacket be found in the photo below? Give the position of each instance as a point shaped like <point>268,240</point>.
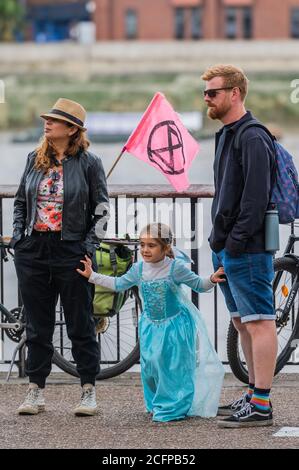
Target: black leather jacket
<point>85,200</point>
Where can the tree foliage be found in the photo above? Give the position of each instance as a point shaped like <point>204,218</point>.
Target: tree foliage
<point>12,13</point>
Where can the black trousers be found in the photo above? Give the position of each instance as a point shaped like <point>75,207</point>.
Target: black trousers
<point>46,268</point>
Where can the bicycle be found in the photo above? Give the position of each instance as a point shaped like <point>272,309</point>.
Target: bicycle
<point>117,334</point>
<point>286,304</point>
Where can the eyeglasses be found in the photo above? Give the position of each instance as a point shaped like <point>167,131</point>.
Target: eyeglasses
<point>213,92</point>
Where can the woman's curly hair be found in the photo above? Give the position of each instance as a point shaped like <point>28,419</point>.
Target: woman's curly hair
<point>46,153</point>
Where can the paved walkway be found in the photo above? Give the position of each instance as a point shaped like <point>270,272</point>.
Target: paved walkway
<point>123,424</point>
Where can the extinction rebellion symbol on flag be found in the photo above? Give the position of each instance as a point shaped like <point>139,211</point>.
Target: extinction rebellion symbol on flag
<point>162,141</point>
<point>170,159</point>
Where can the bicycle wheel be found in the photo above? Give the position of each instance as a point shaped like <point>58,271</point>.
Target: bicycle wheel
<point>286,329</point>
<point>117,338</point>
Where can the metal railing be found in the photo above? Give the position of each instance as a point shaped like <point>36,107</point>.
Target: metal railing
<point>132,197</point>
<point>151,196</point>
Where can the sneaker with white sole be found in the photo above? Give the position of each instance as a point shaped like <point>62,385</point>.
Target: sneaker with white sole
<point>249,416</point>
<point>235,406</point>
<point>34,402</point>
<point>88,403</point>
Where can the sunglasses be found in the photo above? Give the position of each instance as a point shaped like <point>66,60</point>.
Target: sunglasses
<point>213,92</point>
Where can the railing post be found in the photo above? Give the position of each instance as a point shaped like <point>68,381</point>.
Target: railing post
<point>216,318</point>
<point>117,318</point>
<point>194,245</point>
<point>1,274</point>
<point>1,261</point>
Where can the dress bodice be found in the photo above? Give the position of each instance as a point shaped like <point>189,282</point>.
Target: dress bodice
<point>160,301</point>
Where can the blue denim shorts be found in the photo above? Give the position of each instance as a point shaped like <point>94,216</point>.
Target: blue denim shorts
<point>248,290</point>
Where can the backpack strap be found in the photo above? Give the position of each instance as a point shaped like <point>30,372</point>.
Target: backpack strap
<point>113,259</point>
<point>247,125</point>
<point>237,142</point>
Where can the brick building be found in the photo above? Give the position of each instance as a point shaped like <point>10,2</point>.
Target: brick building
<point>196,19</point>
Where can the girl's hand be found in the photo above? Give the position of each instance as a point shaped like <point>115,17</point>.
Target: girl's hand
<point>87,267</point>
<point>218,276</point>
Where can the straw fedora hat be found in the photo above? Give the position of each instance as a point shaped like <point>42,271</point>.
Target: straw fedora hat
<point>69,111</point>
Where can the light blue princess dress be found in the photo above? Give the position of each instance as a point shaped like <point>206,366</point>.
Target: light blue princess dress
<point>180,370</point>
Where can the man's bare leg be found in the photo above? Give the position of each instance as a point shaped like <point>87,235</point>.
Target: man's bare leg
<point>245,340</point>
<point>264,351</point>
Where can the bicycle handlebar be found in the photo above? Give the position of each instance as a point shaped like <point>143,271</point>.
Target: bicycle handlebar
<point>5,242</point>
<point>119,241</point>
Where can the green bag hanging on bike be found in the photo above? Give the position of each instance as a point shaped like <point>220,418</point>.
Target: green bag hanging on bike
<point>112,261</point>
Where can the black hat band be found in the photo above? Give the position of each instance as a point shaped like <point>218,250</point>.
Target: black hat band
<point>68,116</point>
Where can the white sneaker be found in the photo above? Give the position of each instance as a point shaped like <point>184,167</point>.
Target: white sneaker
<point>88,404</point>
<point>34,402</point>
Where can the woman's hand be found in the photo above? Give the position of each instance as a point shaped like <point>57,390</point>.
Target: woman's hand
<point>218,276</point>
<point>87,267</point>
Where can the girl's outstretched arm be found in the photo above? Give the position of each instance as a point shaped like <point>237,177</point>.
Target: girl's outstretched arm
<point>182,274</point>
<point>118,284</point>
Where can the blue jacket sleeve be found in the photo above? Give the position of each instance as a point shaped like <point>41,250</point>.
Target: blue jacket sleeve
<point>118,284</point>
<point>183,275</point>
<point>130,279</point>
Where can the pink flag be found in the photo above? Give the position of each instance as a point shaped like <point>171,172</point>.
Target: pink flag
<point>161,140</point>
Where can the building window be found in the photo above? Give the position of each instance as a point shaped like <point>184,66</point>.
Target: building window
<point>247,23</point>
<point>295,22</point>
<point>196,23</point>
<point>131,26</point>
<point>231,23</point>
<point>179,23</point>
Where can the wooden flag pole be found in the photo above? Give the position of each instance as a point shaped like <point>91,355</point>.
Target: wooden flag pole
<point>116,162</point>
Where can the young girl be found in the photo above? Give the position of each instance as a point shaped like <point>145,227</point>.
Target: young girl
<point>180,370</point>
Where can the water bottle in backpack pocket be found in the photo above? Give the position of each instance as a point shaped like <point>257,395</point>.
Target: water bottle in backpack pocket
<point>271,229</point>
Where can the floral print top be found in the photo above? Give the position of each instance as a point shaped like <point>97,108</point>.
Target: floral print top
<point>50,202</point>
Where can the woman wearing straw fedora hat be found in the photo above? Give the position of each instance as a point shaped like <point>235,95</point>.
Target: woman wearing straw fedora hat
<point>62,204</point>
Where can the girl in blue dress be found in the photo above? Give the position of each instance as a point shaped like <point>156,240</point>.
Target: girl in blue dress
<point>180,370</point>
